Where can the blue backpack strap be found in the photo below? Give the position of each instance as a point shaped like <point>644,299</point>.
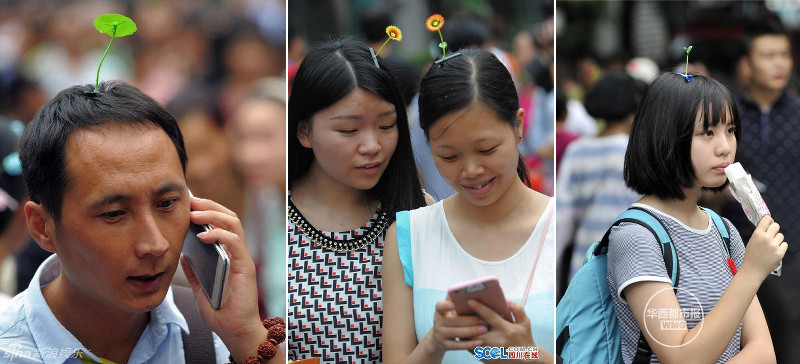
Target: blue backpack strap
<point>722,228</point>
<point>645,218</point>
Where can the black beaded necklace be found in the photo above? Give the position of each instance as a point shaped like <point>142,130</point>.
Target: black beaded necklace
<point>317,237</point>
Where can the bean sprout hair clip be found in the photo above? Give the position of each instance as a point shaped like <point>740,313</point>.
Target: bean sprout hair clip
<point>115,26</point>
<point>394,33</point>
<point>440,61</point>
<point>686,74</point>
<point>435,23</point>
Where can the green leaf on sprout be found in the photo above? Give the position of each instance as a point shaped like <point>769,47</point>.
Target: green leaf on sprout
<point>443,45</point>
<point>687,49</point>
<point>114,25</point>
<point>106,24</point>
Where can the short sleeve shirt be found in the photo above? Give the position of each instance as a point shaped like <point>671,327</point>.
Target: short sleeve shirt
<point>634,255</point>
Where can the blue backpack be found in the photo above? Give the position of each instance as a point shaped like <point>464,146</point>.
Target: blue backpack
<point>586,323</point>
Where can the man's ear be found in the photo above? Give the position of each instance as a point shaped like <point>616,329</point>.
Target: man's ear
<point>40,225</point>
<point>744,68</point>
<point>304,134</point>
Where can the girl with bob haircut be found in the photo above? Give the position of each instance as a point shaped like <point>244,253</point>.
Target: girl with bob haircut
<point>493,225</point>
<point>350,162</point>
<point>684,134</point>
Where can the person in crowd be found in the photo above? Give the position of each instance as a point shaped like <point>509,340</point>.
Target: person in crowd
<point>105,171</point>
<point>770,115</point>
<point>351,169</point>
<point>591,190</point>
<point>493,225</point>
<point>257,138</point>
<point>684,134</point>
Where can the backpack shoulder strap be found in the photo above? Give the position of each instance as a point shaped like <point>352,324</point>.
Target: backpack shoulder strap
<point>198,347</point>
<point>647,219</point>
<point>722,228</point>
<point>638,215</point>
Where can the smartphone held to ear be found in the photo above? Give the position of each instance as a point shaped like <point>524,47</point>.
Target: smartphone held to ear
<point>209,263</point>
<point>485,290</point>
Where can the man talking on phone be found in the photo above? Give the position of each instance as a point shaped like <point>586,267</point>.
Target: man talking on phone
<point>105,170</point>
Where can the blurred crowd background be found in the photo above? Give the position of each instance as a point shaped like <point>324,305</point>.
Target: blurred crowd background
<point>518,32</point>
<point>609,51</point>
<point>218,66</point>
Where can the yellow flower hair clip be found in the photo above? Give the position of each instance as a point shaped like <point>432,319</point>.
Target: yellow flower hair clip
<point>394,33</point>
<point>434,24</point>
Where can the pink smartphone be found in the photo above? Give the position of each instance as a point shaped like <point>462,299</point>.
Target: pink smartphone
<point>485,290</point>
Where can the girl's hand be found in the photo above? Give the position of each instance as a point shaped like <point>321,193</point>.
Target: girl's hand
<point>237,321</point>
<point>448,326</point>
<point>504,333</point>
<point>765,248</point>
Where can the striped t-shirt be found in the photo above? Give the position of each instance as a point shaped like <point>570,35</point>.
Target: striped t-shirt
<point>634,255</point>
<point>591,193</point>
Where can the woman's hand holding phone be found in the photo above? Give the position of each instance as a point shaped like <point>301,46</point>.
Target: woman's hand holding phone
<point>453,332</point>
<point>237,321</point>
<point>504,333</point>
<point>765,248</point>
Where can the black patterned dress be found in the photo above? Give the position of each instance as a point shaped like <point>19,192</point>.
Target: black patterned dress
<point>335,310</point>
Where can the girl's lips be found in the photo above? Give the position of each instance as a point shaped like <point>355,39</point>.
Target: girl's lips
<point>721,167</point>
<point>478,190</point>
<point>370,169</point>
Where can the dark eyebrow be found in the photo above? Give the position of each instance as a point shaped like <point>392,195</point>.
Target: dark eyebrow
<point>110,199</point>
<point>343,117</point>
<point>357,117</point>
<point>118,197</point>
<point>475,142</point>
<point>170,187</point>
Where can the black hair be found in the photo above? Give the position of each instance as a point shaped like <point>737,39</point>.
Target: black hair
<point>373,24</point>
<point>658,159</point>
<point>458,81</point>
<point>466,32</point>
<point>329,72</point>
<point>561,105</point>
<point>196,98</point>
<point>43,146</point>
<point>13,92</point>
<point>614,98</point>
<point>767,23</point>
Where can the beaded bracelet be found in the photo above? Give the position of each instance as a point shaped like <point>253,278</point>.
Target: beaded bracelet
<point>276,333</point>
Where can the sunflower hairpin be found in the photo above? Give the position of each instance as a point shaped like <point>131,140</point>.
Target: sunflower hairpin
<point>434,24</point>
<point>393,33</point>
<point>686,74</point>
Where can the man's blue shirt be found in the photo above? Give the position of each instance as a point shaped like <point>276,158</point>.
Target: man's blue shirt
<point>30,333</point>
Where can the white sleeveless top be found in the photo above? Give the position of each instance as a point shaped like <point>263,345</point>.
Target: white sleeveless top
<point>433,261</point>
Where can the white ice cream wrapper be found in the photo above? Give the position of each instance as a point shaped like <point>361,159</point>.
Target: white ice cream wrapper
<point>744,190</point>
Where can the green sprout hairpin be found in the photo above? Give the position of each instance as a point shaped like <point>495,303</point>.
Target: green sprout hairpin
<point>434,24</point>
<point>686,74</point>
<point>116,26</point>
<point>394,33</point>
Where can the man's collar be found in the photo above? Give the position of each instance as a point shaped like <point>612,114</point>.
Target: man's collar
<point>55,342</point>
